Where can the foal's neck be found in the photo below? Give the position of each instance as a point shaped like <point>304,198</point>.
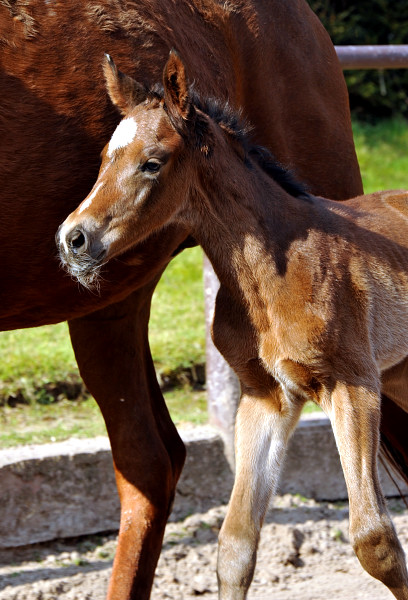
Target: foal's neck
<point>243,220</point>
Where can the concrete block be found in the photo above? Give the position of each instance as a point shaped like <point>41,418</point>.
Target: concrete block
<point>312,467</point>
<point>68,489</point>
<point>206,479</point>
<point>56,490</point>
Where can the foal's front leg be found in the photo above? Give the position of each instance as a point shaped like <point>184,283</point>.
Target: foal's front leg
<point>355,416</point>
<point>263,427</point>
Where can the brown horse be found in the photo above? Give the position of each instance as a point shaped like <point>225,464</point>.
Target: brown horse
<point>313,302</point>
<point>272,58</point>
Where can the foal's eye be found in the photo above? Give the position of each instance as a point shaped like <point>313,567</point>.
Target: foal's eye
<point>151,166</point>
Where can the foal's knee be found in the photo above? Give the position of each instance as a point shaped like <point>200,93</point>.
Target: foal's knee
<point>380,553</point>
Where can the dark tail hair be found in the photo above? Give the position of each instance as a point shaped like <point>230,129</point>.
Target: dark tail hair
<point>394,439</point>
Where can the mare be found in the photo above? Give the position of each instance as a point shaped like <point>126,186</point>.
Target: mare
<point>313,299</point>
<point>275,60</point>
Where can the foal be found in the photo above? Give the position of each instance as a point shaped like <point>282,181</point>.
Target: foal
<point>312,303</point>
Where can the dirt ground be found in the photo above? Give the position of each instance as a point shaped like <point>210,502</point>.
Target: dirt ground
<point>304,552</point>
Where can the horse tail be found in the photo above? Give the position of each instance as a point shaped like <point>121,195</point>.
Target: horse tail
<point>394,439</point>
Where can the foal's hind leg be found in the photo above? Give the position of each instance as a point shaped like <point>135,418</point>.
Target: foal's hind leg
<point>355,415</point>
<point>263,427</point>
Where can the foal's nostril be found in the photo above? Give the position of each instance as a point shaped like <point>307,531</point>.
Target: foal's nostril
<point>76,241</point>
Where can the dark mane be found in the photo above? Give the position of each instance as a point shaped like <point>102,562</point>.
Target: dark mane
<point>235,125</point>
<point>223,114</point>
<point>238,128</point>
<point>278,172</point>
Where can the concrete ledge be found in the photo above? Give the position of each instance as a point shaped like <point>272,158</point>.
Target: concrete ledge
<point>312,467</point>
<point>67,489</point>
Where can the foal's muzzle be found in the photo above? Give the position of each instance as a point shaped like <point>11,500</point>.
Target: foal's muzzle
<point>81,253</point>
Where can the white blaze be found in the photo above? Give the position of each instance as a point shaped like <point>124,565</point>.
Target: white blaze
<point>123,135</point>
<point>88,201</point>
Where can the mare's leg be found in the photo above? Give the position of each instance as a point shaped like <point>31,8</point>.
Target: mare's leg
<point>263,427</point>
<point>355,416</point>
<point>113,355</point>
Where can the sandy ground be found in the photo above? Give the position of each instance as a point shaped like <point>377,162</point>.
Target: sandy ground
<point>304,553</point>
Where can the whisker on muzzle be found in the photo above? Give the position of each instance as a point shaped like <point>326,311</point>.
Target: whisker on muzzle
<point>86,270</point>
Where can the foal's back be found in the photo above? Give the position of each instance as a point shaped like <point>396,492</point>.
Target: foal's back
<point>384,213</point>
<point>357,269</point>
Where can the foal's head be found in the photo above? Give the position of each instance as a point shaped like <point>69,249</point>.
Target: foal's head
<point>147,172</point>
<point>167,151</point>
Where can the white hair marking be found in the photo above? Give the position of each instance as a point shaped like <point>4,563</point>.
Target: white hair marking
<point>123,135</point>
<point>86,203</point>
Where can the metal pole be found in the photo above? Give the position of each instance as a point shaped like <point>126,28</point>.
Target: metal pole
<point>223,390</point>
<point>373,57</point>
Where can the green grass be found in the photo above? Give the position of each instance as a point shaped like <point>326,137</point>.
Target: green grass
<point>177,328</point>
<point>31,358</point>
<point>382,151</point>
<point>38,423</point>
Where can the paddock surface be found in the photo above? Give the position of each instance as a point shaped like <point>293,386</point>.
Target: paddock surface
<point>304,552</point>
<point>304,549</point>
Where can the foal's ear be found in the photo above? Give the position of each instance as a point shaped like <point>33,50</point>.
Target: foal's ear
<point>176,90</point>
<point>124,91</point>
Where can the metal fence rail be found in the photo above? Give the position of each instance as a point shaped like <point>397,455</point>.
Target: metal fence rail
<point>373,57</point>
